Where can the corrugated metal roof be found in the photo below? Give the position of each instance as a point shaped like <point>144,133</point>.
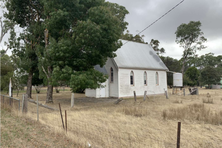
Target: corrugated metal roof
<point>138,55</point>
<point>101,69</point>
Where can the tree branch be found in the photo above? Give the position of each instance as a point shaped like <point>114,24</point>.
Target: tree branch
<point>45,72</point>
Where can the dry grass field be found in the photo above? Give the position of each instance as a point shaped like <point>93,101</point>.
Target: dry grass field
<point>149,123</point>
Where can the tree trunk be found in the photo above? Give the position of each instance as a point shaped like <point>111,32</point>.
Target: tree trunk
<point>29,85</point>
<point>49,98</point>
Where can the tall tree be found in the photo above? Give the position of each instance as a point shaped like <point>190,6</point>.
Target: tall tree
<point>28,15</point>
<point>155,45</point>
<point>190,38</point>
<point>81,34</point>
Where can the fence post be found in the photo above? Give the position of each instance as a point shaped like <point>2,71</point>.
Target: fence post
<point>3,102</point>
<point>144,97</point>
<point>19,106</point>
<point>184,92</point>
<point>72,100</point>
<point>134,95</point>
<point>25,104</point>
<point>37,99</point>
<point>22,102</point>
<point>61,116</point>
<point>66,120</point>
<point>178,134</point>
<point>166,94</point>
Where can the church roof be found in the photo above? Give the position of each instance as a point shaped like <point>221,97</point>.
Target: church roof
<point>138,56</point>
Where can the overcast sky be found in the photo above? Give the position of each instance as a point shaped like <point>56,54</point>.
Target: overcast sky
<point>143,12</point>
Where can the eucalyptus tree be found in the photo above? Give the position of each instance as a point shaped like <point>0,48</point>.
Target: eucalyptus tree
<point>28,15</point>
<point>155,45</point>
<point>80,34</point>
<point>190,38</point>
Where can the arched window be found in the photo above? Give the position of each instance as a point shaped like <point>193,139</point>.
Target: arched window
<point>145,78</point>
<point>111,74</point>
<point>131,78</point>
<point>157,78</point>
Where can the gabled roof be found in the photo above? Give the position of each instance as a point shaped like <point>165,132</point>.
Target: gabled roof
<point>101,69</point>
<point>138,56</point>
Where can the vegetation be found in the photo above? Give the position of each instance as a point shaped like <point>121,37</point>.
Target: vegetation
<point>93,119</point>
<point>76,34</point>
<point>155,45</point>
<point>190,38</point>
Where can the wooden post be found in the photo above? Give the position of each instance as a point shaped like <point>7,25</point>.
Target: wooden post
<point>22,102</point>
<point>197,91</point>
<point>25,104</point>
<point>66,120</point>
<point>37,99</point>
<point>61,116</point>
<point>184,92</point>
<point>72,100</point>
<point>144,97</point>
<point>19,106</point>
<point>166,94</point>
<point>134,95</point>
<point>3,101</point>
<point>178,134</point>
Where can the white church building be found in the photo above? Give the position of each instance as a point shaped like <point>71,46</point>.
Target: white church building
<point>137,68</point>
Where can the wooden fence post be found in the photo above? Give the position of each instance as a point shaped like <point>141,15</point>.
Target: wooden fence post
<point>25,103</point>
<point>134,95</point>
<point>3,102</point>
<point>72,100</point>
<point>144,97</point>
<point>66,120</point>
<point>61,116</point>
<point>37,99</point>
<point>166,94</point>
<point>178,134</point>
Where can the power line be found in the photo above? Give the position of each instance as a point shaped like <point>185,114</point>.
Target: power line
<point>158,18</point>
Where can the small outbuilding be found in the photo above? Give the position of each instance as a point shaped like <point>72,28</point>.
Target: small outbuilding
<point>136,67</point>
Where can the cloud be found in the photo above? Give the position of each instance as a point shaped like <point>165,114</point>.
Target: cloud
<point>142,13</point>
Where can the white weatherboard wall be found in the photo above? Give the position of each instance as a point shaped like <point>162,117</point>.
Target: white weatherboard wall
<point>113,86</point>
<point>99,92</point>
<point>126,90</point>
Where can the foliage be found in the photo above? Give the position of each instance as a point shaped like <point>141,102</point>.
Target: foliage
<point>89,42</point>
<point>190,38</point>
<point>130,37</point>
<point>172,65</point>
<point>193,74</point>
<point>210,75</point>
<point>80,80</point>
<point>155,45</point>
<point>7,70</point>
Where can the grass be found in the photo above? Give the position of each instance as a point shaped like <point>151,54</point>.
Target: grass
<point>208,100</point>
<point>150,123</point>
<point>24,132</point>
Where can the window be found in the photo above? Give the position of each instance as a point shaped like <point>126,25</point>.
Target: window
<point>111,74</point>
<point>131,78</point>
<point>145,78</point>
<point>157,78</point>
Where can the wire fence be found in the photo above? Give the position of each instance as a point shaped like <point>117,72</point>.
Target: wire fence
<point>10,103</point>
<point>100,135</point>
